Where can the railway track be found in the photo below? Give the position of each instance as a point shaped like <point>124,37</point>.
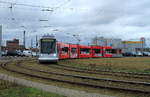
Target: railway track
<point>58,69</point>
<point>79,80</point>
<point>101,72</point>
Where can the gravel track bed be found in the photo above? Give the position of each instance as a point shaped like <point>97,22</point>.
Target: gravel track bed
<point>83,81</point>
<point>123,74</point>
<point>106,75</point>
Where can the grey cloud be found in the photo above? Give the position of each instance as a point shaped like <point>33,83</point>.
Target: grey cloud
<point>112,18</point>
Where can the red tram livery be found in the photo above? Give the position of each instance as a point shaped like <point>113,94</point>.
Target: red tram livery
<point>73,51</point>
<point>67,51</point>
<point>107,51</point>
<point>63,50</point>
<point>84,51</point>
<point>97,51</point>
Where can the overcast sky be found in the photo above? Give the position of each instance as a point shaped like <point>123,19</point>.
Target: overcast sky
<point>125,19</point>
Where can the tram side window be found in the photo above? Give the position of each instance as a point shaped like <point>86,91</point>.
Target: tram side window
<point>108,51</point>
<point>73,50</point>
<point>84,51</point>
<point>97,51</point>
<point>64,50</point>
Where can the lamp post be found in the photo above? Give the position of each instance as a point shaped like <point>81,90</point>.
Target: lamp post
<point>0,40</point>
<point>143,44</point>
<point>36,45</point>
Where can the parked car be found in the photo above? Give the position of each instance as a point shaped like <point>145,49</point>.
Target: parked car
<point>27,53</point>
<point>139,53</point>
<point>146,53</point>
<point>4,53</point>
<point>134,54</point>
<point>12,53</point>
<point>129,54</point>
<point>20,53</point>
<point>34,54</point>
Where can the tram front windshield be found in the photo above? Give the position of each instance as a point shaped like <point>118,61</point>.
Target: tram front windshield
<point>48,46</point>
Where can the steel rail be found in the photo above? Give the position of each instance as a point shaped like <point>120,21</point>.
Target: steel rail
<point>70,81</point>
<point>86,77</point>
<point>123,74</point>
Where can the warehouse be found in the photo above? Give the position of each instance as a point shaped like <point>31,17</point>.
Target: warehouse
<point>132,46</point>
<point>125,46</point>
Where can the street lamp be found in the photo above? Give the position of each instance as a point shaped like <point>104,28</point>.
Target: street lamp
<point>0,40</point>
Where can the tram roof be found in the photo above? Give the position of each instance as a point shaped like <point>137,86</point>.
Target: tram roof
<point>48,37</point>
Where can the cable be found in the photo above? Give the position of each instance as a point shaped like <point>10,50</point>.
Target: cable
<point>21,4</point>
<point>37,6</point>
<point>19,19</point>
<point>44,8</point>
<point>62,4</point>
<point>12,7</point>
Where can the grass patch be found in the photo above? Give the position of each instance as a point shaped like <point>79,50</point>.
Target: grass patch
<point>12,90</point>
<point>25,92</point>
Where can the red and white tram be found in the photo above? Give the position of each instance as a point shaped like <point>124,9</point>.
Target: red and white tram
<point>52,51</point>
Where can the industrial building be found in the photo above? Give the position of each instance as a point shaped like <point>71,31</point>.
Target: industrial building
<point>101,41</point>
<point>132,46</point>
<point>125,46</point>
<point>116,44</point>
<point>12,45</point>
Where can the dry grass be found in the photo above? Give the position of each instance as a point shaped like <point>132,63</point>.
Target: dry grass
<point>130,64</point>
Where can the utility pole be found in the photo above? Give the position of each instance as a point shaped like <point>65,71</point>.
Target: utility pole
<point>106,43</point>
<point>96,40</point>
<point>0,40</point>
<point>36,41</point>
<point>31,47</point>
<point>24,39</point>
<point>36,44</point>
<point>143,44</point>
<point>31,43</point>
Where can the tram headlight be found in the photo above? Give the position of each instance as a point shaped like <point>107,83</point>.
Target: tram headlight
<point>54,55</point>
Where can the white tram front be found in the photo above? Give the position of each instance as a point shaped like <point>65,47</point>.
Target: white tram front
<point>48,49</point>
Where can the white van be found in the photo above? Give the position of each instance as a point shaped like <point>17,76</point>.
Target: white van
<point>27,53</point>
<point>139,53</point>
